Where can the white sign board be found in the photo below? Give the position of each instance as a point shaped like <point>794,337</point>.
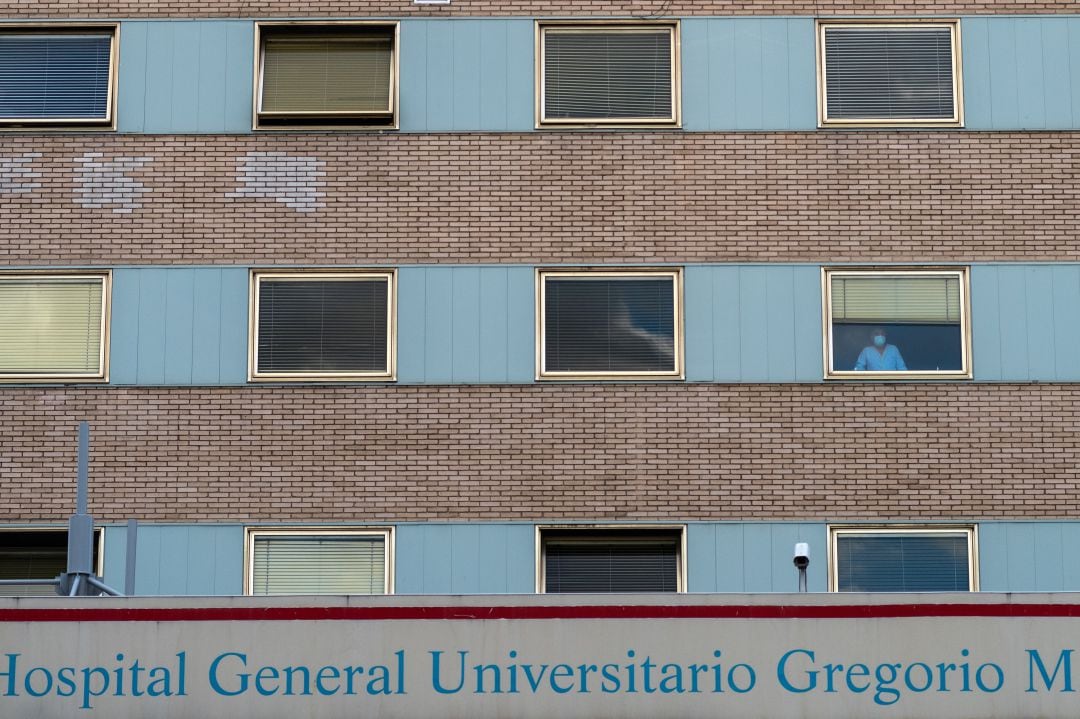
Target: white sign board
<point>539,657</point>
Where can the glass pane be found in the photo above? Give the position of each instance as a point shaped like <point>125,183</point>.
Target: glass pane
<point>318,564</point>
<point>902,563</point>
<point>63,76</point>
<point>897,324</point>
<point>603,566</point>
<point>51,325</point>
<point>316,74</point>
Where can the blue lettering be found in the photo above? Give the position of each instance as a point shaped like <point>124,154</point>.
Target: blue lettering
<point>266,674</point>
<point>561,671</point>
<point>10,674</point>
<point>1064,665</point>
<point>751,677</point>
<point>979,677</point>
<point>610,683</point>
<point>88,692</point>
<point>324,674</point>
<point>857,671</point>
<point>781,672</point>
<point>65,682</point>
<point>242,676</point>
<point>884,693</point>
<point>28,682</point>
<point>436,683</point>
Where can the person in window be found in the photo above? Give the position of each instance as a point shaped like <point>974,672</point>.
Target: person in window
<point>880,356</point>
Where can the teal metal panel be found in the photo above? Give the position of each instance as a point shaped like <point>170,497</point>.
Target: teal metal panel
<point>521,324</point>
<point>1020,554</point>
<point>698,323</point>
<point>1029,556</point>
<point>1004,93</point>
<point>438,321</point>
<point>466,75</point>
<point>806,284</point>
<point>478,558</point>
<point>753,324</point>
<point>757,557</point>
<point>1066,328</point>
<point>1012,310</point>
<point>1040,322</point>
<point>131,77</point>
<point>411,301</point>
<point>701,561</point>
<point>1058,97</point>
<point>186,76</point>
<point>152,299</point>
<point>726,312</point>
<point>748,74</point>
<point>753,556</point>
<point>975,40</point>
<point>1070,568</point>
<point>1029,73</point>
<point>780,360</point>
<point>993,561</point>
<point>234,325</point>
<point>1049,557</point>
<point>179,559</point>
<point>1074,69</point>
<point>466,325</point>
<point>985,321</point>
<point>206,316</point>
<point>494,325</point>
<point>124,327</point>
<point>180,326</point>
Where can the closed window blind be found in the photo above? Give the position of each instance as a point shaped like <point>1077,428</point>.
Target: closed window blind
<point>51,325</point>
<point>31,555</point>
<point>903,563</point>
<point>608,75</point>
<point>610,324</point>
<point>323,325</point>
<point>611,563</point>
<point>318,564</point>
<point>54,76</point>
<point>889,73</point>
<point>896,299</point>
<point>328,75</point>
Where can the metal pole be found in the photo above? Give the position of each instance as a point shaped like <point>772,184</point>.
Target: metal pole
<point>84,467</point>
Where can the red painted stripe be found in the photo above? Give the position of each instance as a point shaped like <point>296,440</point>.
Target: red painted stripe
<point>233,614</point>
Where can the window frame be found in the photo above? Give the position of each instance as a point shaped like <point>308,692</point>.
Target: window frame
<point>963,273</point>
<point>953,24</point>
<point>678,373</point>
<point>106,124</point>
<point>257,275</point>
<point>252,532</point>
<point>542,27</point>
<point>102,375</point>
<point>99,545</point>
<point>393,123</point>
<point>600,530</point>
<point>839,530</point>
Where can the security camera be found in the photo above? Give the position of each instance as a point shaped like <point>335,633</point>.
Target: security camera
<point>802,555</point>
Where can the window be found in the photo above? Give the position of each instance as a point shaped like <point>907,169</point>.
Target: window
<point>896,74</point>
<point>37,554</point>
<point>614,324</point>
<point>576,560</point>
<point>327,75</point>
<point>53,327</point>
<point>322,325</point>
<point>58,75</point>
<point>621,74</point>
<point>908,559</point>
<point>318,561</point>
<point>897,323</point>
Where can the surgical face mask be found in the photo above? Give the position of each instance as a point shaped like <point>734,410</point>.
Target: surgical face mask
<point>879,340</point>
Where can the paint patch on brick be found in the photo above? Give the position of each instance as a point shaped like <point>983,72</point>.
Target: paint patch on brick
<point>17,175</point>
<point>292,180</point>
<point>107,184</point>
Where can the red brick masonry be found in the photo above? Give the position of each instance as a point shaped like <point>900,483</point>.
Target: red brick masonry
<point>356,453</point>
<point>554,197</point>
<point>543,8</point>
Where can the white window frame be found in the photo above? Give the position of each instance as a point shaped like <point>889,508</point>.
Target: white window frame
<point>257,114</point>
<point>251,533</point>
<point>957,120</point>
<point>836,531</point>
<point>962,273</point>
<point>543,27</point>
<point>601,531</point>
<point>102,374</point>
<point>108,123</point>
<point>676,275</point>
<point>255,280</point>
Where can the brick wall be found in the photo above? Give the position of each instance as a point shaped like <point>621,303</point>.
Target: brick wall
<point>842,451</point>
<point>546,8</point>
<point>540,197</point>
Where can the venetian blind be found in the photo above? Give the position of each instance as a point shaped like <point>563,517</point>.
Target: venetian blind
<point>51,325</point>
<point>612,324</point>
<point>318,564</point>
<point>903,563</point>
<point>611,565</point>
<point>896,299</point>
<point>347,74</point>
<point>329,325</point>
<point>54,76</point>
<point>889,73</point>
<point>31,555</point>
<point>607,75</point>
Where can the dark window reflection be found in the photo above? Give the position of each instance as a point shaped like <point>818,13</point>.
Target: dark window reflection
<point>322,326</point>
<point>610,324</point>
<point>924,347</point>
<point>902,563</point>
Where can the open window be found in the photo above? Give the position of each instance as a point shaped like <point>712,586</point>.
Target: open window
<point>928,558</point>
<point>327,75</point>
<point>605,73</point>
<point>57,76</point>
<point>610,324</point>
<point>894,74</point>
<point>897,323</point>
<point>31,553</point>
<point>610,559</point>
<point>318,561</point>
